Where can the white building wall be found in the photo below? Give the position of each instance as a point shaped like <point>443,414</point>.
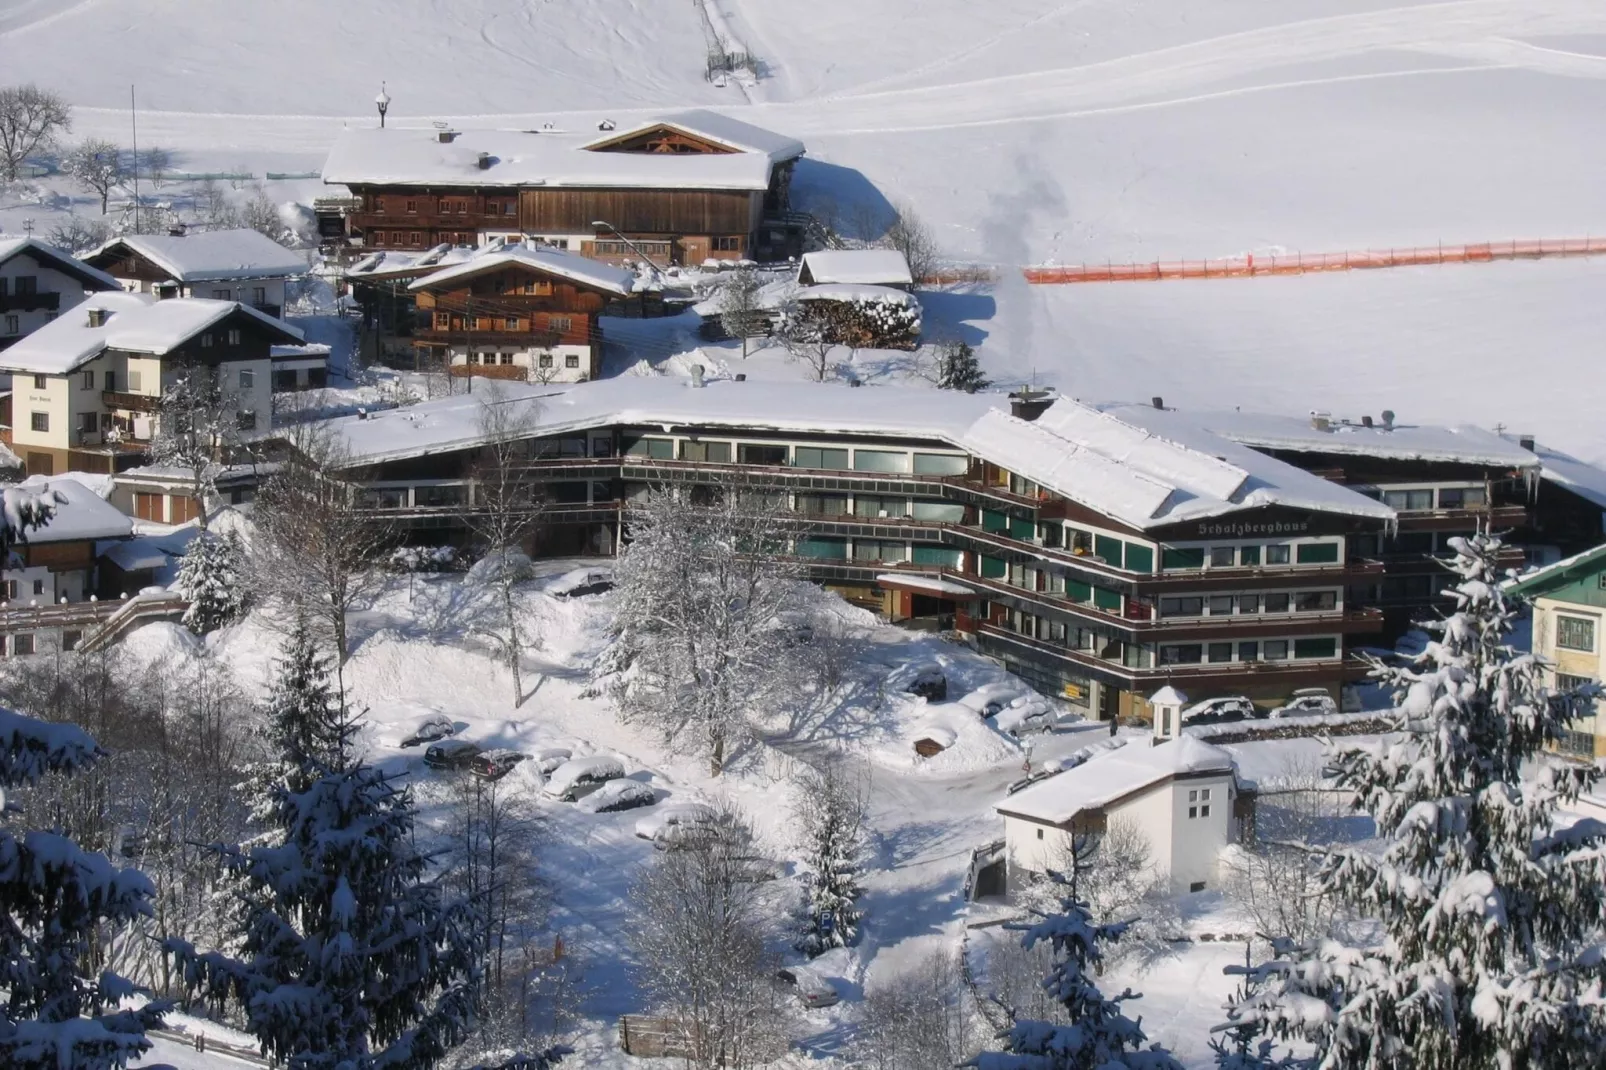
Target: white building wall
<point>1034,848</point>
<point>241,290</point>
<point>248,384</point>
<point>1196,841</point>
<point>1151,813</point>
<point>49,280</point>
<point>558,370</point>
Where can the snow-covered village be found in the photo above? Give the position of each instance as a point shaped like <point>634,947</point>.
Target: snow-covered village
<point>757,535</point>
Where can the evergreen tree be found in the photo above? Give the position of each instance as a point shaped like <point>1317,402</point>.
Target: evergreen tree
<point>1243,1044</point>
<point>307,730</point>
<point>830,812</point>
<point>1099,1035</point>
<point>55,900</point>
<point>351,959</point>
<point>210,578</point>
<point>958,369</point>
<point>1490,914</point>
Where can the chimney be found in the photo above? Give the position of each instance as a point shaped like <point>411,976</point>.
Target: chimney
<point>1029,404</point>
<point>97,317</point>
<point>697,376</point>
<point>1366,421</point>
<point>1321,421</point>
<point>446,137</point>
<point>1388,419</point>
<point>485,161</point>
<point>1157,401</point>
<point>1526,442</point>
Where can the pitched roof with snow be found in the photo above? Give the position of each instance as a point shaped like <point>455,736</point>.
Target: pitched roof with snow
<point>1462,443</point>
<point>877,267</point>
<point>1560,574</point>
<point>50,256</point>
<point>399,156</point>
<point>856,291</point>
<point>395,264</point>
<point>136,323</point>
<point>583,270</point>
<point>84,515</point>
<point>214,255</point>
<point>1112,775</point>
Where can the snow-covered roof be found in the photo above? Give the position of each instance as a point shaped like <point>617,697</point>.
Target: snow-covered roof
<point>1464,443</point>
<point>394,264</point>
<point>84,515</point>
<point>137,323</point>
<point>877,267</point>
<point>915,581</point>
<point>304,351</point>
<point>1584,480</point>
<point>1112,775</point>
<point>49,255</point>
<point>856,291</point>
<point>712,126</point>
<point>134,554</point>
<point>211,255</point>
<point>1559,573</point>
<point>580,269</point>
<point>1168,695</point>
<point>1120,470</point>
<point>399,156</point>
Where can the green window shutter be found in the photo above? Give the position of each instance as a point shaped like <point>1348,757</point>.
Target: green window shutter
<point>935,555</point>
<point>991,521</point>
<point>1108,548</point>
<point>1315,648</point>
<point>1109,600</point>
<point>1173,558</point>
<point>1139,558</point>
<point>1077,591</point>
<point>992,568</point>
<point>1317,553</point>
<point>1023,530</point>
<point>823,549</point>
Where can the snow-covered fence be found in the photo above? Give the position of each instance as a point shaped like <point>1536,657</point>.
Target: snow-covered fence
<point>1251,265</point>
<point>652,1037</point>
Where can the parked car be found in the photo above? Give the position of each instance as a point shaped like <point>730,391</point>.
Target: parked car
<point>550,758</point>
<point>1214,710</point>
<point>495,764</point>
<point>930,684</point>
<point>617,795</point>
<point>579,777</point>
<point>452,754</point>
<point>427,730</point>
<point>1307,702</point>
<point>674,815</point>
<point>811,989</point>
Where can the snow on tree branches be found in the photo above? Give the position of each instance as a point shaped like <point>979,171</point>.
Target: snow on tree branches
<point>830,812</point>
<point>1099,1035</point>
<point>210,577</point>
<point>1491,910</point>
<point>56,899</point>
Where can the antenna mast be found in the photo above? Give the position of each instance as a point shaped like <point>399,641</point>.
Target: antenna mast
<point>133,123</point>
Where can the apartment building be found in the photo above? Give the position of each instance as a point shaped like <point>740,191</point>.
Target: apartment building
<point>225,265</point>
<point>38,283</point>
<point>1095,558</point>
<point>1569,632</point>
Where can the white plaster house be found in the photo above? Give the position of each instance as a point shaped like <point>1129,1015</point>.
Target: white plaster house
<point>1181,793</point>
<point>224,265</point>
<point>38,283</point>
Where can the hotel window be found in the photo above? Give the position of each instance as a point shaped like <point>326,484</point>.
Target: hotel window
<point>940,464</point>
<point>880,461</point>
<point>879,550</point>
<point>1315,601</point>
<point>1249,603</point>
<point>870,505</point>
<point>820,457</point>
<point>1223,556</point>
<point>755,453</point>
<point>1249,555</point>
<point>415,239</point>
<point>571,361</point>
<point>1220,604</point>
<point>1315,648</point>
<point>546,360</point>
<point>1184,606</point>
<point>1276,649</point>
<point>248,378</point>
<point>1572,633</point>
<point>39,382</point>
<point>1182,558</point>
<point>133,380</point>
<point>1184,654</point>
<point>1318,553</point>
<point>1249,651</point>
<point>507,358</point>
<point>39,421</point>
<point>659,449</point>
<point>1277,603</point>
<point>1219,652</point>
<point>89,380</point>
<point>221,295</point>
<point>818,504</point>
<point>560,324</point>
<point>727,245</point>
<point>11,590</point>
<point>1408,500</point>
<point>511,323</point>
<point>1462,497</point>
<point>1277,555</point>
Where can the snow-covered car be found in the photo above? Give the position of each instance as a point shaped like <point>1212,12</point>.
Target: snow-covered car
<point>579,777</point>
<point>495,764</point>
<point>550,758</point>
<point>617,795</point>
<point>811,989</point>
<point>1213,710</point>
<point>672,816</point>
<point>452,754</point>
<point>427,730</point>
<point>929,683</point>
<point>1027,713</point>
<point>1307,702</point>
<point>582,583</point>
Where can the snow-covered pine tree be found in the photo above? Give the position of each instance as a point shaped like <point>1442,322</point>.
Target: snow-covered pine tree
<point>351,958</point>
<point>1491,912</point>
<point>1244,1044</point>
<point>958,369</point>
<point>830,813</point>
<point>1099,1035</point>
<point>306,731</point>
<point>56,899</point>
<point>210,578</point>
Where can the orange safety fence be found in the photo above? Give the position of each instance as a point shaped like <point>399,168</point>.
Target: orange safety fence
<point>1301,263</point>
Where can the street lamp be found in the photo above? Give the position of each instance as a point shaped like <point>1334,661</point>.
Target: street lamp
<point>605,225</point>
<point>382,102</point>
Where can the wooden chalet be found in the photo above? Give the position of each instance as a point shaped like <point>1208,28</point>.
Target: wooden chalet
<point>676,190</point>
<point>518,313</point>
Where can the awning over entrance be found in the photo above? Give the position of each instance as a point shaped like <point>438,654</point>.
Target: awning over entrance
<point>932,586</point>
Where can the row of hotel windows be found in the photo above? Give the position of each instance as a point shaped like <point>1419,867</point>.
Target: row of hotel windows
<point>543,360</point>
<point>822,458</point>
<point>1139,656</point>
<point>1418,499</point>
<point>449,205</point>
<point>1216,605</point>
<point>560,324</point>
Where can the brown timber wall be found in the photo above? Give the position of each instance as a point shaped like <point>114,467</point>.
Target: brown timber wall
<point>637,211</point>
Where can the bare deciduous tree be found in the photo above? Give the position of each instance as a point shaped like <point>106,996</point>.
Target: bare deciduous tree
<point>30,120</point>
<point>156,163</point>
<point>317,547</point>
<point>505,515</point>
<point>806,341</point>
<point>741,313</point>
<point>197,424</point>
<point>910,235</point>
<point>78,235</point>
<point>699,940</point>
<point>921,1019</point>
<point>212,208</point>
<point>698,636</point>
<point>97,165</point>
<point>262,215</point>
